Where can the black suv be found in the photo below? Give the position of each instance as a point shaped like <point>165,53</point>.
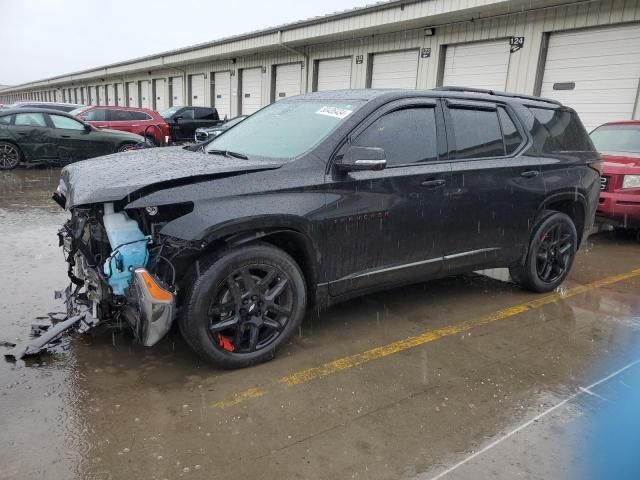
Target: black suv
<point>322,197</point>
<point>184,121</point>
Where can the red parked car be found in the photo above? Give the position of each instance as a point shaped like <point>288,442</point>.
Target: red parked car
<point>141,121</point>
<point>619,146</point>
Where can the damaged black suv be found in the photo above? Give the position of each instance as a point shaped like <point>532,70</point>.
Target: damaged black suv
<point>319,198</point>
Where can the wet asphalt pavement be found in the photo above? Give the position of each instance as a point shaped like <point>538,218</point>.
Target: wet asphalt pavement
<point>105,408</point>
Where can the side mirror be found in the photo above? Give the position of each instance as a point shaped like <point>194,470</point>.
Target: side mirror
<point>87,127</point>
<point>177,119</point>
<point>362,158</point>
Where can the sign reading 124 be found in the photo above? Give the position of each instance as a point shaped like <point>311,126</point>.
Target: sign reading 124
<point>516,43</point>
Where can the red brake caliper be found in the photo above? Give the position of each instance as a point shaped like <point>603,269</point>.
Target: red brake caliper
<point>225,343</point>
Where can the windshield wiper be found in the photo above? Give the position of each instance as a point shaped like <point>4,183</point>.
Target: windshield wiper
<point>228,154</point>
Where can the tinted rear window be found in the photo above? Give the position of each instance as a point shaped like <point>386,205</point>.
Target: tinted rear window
<point>476,133</point>
<point>558,131</point>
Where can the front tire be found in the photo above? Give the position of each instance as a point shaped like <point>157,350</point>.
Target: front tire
<point>10,156</point>
<point>125,147</point>
<point>550,255</point>
<point>243,306</point>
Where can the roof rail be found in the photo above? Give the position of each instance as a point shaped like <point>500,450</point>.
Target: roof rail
<point>499,94</point>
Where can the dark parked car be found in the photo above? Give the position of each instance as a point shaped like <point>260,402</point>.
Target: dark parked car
<point>204,134</point>
<point>141,121</point>
<point>183,121</point>
<point>37,135</point>
<point>63,107</point>
<point>323,197</point>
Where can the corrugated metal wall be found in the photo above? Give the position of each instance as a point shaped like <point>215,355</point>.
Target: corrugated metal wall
<point>523,66</point>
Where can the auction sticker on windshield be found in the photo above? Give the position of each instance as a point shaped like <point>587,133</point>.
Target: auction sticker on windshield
<point>334,112</point>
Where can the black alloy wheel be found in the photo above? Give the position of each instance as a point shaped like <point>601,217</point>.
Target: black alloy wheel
<point>9,156</point>
<point>554,250</point>
<point>550,255</point>
<point>241,305</point>
<point>251,308</point>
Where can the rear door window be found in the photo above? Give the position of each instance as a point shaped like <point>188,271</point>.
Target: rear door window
<point>475,133</point>
<point>206,114</point>
<point>406,136</point>
<point>188,114</point>
<point>119,116</point>
<point>139,116</point>
<point>97,115</point>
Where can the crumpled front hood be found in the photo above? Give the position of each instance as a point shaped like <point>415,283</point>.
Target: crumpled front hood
<point>118,176</point>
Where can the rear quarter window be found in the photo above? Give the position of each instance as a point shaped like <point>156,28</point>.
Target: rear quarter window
<point>558,131</point>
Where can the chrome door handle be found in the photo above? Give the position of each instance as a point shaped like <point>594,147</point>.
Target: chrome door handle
<point>434,183</point>
<point>530,174</point>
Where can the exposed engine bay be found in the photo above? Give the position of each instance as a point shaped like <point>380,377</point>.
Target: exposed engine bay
<point>123,273</point>
<point>122,269</point>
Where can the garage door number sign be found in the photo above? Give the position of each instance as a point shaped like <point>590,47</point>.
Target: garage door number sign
<point>516,43</point>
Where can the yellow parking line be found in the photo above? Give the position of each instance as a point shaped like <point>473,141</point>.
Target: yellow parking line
<point>240,397</point>
<point>345,363</point>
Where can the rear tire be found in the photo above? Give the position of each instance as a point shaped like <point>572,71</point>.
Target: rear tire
<point>10,156</point>
<point>550,256</point>
<point>150,141</point>
<point>243,306</point>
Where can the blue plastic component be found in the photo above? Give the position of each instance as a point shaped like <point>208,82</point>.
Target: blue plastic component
<point>128,245</point>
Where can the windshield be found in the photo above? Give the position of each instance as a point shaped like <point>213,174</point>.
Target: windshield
<point>170,111</point>
<point>617,138</point>
<point>285,129</point>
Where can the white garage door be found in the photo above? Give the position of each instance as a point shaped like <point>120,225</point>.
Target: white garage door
<point>111,95</point>
<point>251,90</point>
<point>288,79</point>
<point>177,92</point>
<point>120,95</point>
<point>595,71</point>
<point>197,90</point>
<point>222,94</point>
<point>160,92</point>
<point>395,70</point>
<point>101,99</point>
<point>145,95</point>
<point>477,65</point>
<point>334,74</point>
<point>132,93</point>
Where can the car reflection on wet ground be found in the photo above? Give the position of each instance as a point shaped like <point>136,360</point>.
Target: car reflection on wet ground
<point>463,367</point>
